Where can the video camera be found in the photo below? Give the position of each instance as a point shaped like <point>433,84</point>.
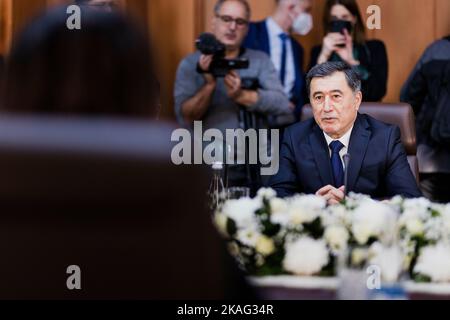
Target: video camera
<point>208,44</point>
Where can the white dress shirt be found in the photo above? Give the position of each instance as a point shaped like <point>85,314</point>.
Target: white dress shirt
<point>276,47</point>
<point>345,140</point>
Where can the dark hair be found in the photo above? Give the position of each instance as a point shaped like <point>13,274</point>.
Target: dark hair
<point>245,3</point>
<point>104,68</point>
<point>352,6</point>
<point>328,68</point>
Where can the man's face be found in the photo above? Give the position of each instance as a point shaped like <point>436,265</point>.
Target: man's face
<point>230,26</point>
<point>296,7</point>
<point>104,5</point>
<point>335,105</point>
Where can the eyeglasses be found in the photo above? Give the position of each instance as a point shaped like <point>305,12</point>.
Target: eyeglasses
<point>239,21</point>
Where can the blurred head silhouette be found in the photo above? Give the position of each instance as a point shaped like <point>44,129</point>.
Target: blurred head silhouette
<point>103,69</point>
<point>104,5</point>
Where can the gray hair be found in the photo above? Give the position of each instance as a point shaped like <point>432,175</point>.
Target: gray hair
<point>245,3</point>
<point>328,68</point>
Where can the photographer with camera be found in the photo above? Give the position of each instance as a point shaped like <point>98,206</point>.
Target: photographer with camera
<point>215,87</point>
<point>345,40</point>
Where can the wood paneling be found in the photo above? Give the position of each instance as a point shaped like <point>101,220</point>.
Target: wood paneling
<point>173,31</point>
<point>442,13</point>
<point>408,27</point>
<point>5,25</point>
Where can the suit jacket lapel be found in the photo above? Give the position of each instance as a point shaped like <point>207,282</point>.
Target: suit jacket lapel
<point>359,142</point>
<point>265,44</point>
<point>321,155</point>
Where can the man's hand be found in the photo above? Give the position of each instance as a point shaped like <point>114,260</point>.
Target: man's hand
<point>331,194</point>
<point>205,63</point>
<point>233,85</point>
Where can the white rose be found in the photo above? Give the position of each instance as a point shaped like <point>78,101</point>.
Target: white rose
<point>416,208</point>
<point>306,208</point>
<point>336,214</point>
<point>415,227</point>
<point>278,205</point>
<point>242,211</point>
<point>267,193</point>
<point>248,237</point>
<point>337,237</point>
<point>265,246</point>
<point>390,260</point>
<point>300,215</point>
<point>362,232</point>
<point>358,256</point>
<point>306,256</point>
<point>434,262</point>
<point>373,219</point>
<point>221,221</point>
<point>446,220</point>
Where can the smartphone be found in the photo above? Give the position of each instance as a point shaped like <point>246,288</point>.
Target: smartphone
<point>338,26</point>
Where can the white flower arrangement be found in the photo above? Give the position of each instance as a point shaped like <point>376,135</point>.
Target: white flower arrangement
<point>434,263</point>
<point>306,256</point>
<point>303,236</point>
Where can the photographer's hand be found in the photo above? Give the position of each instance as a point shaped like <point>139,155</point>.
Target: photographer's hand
<point>233,84</point>
<point>204,63</point>
<point>346,53</point>
<point>329,45</point>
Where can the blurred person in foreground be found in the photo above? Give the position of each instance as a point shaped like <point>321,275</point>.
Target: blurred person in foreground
<point>103,5</point>
<point>2,66</point>
<point>104,68</point>
<point>313,153</point>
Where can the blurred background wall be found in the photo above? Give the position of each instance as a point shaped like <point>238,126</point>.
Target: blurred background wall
<point>408,27</point>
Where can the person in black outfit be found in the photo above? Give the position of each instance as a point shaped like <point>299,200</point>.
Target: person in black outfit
<point>368,57</point>
<point>423,91</point>
<point>1,65</point>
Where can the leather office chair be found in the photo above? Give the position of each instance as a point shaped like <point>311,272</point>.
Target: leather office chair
<point>104,195</point>
<point>399,114</point>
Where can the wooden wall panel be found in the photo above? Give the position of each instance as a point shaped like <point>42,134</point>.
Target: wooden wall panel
<point>173,32</point>
<point>408,27</point>
<point>405,37</point>
<point>442,13</point>
<point>5,25</point>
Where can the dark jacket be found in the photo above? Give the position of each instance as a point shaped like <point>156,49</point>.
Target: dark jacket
<point>258,39</point>
<point>373,58</point>
<point>421,90</point>
<point>378,163</point>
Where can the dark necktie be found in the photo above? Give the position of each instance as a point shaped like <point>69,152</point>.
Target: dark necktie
<point>336,163</point>
<point>284,38</point>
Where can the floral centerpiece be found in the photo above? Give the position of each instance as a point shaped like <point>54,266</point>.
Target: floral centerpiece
<point>304,236</point>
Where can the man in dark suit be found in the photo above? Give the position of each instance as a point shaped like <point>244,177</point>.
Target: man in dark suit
<point>273,36</point>
<point>313,152</point>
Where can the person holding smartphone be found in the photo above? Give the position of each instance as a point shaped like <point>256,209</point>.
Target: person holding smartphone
<point>345,40</point>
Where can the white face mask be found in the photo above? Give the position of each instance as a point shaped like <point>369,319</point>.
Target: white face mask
<point>303,24</point>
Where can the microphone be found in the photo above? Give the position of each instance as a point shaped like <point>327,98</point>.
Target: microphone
<point>346,159</point>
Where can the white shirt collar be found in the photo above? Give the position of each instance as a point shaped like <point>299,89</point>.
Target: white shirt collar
<point>273,27</point>
<point>345,139</point>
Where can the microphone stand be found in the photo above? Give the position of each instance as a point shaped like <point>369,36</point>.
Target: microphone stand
<point>346,164</point>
